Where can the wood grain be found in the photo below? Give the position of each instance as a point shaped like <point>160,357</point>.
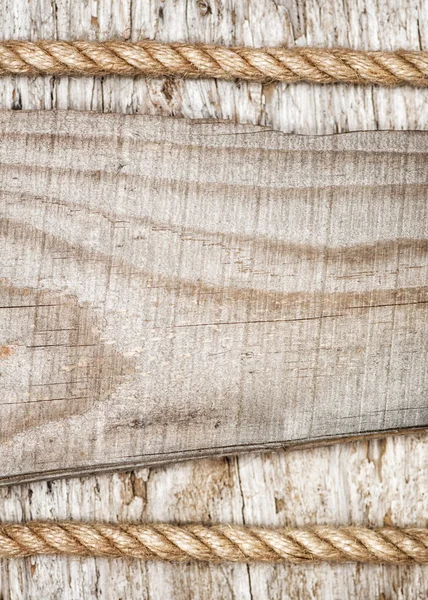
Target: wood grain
<point>361,24</point>
<point>175,289</point>
<point>370,482</point>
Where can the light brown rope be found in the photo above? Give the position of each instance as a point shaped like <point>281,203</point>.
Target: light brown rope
<point>215,543</point>
<point>155,59</point>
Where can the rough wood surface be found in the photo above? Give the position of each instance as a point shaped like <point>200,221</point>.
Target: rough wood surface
<point>174,289</point>
<point>373,482</point>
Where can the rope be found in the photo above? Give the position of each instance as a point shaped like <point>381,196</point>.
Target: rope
<point>215,543</point>
<point>155,59</point>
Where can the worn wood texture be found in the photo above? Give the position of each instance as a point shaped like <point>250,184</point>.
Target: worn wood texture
<point>366,482</point>
<point>172,288</point>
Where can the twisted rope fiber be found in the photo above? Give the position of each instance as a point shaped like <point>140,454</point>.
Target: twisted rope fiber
<point>215,543</point>
<point>155,59</point>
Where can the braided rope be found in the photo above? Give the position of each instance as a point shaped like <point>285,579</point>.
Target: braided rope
<point>215,543</point>
<point>155,59</point>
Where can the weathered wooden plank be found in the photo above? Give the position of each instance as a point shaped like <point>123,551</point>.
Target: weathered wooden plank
<point>174,289</point>
<point>375,482</point>
<point>364,24</point>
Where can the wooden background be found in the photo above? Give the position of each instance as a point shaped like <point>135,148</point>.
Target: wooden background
<point>372,482</point>
<point>174,288</point>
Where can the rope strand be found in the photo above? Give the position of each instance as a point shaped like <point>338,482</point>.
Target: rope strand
<point>215,543</point>
<point>156,59</point>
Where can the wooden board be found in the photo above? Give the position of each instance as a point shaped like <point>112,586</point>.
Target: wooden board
<point>375,482</point>
<point>175,289</point>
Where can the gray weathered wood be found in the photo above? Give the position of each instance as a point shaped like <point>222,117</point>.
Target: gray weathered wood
<point>175,289</point>
<point>373,482</point>
<point>370,482</point>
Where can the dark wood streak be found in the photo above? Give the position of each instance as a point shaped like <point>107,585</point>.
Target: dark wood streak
<point>369,258</point>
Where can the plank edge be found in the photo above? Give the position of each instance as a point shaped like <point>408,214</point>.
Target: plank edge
<point>153,461</point>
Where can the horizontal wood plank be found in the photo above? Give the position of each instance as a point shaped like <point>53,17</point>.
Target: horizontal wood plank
<point>173,289</point>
